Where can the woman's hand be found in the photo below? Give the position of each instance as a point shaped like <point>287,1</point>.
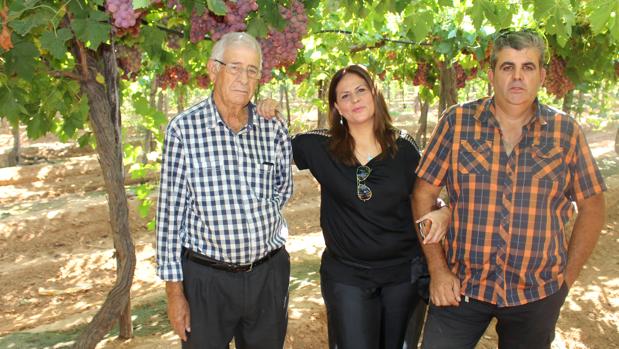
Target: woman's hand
<point>437,221</point>
<point>268,108</point>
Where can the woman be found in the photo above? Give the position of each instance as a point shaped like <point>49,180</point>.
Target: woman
<point>372,261</point>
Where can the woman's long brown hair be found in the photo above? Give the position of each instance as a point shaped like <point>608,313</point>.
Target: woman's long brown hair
<point>342,144</point>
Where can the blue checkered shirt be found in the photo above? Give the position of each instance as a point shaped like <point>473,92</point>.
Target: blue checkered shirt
<point>221,193</point>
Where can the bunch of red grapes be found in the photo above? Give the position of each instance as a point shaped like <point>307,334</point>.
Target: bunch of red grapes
<point>173,76</point>
<point>557,82</point>
<point>217,26</point>
<point>279,49</point>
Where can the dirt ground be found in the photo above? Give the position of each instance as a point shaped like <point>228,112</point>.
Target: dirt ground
<point>57,261</point>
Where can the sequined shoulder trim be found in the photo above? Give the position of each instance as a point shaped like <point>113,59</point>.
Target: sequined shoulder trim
<point>407,137</point>
<point>321,132</point>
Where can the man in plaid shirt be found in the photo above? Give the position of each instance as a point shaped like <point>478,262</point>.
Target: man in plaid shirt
<point>513,168</point>
<point>225,176</point>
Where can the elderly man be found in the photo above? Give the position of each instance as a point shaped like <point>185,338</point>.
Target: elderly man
<point>512,167</point>
<point>220,233</point>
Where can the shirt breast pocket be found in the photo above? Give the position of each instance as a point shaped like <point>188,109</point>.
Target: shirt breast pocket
<point>474,157</point>
<point>263,186</point>
<point>548,163</point>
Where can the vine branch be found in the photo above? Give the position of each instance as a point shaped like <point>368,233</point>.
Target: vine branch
<point>379,43</point>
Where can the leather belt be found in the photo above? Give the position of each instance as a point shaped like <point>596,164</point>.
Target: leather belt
<point>229,267</point>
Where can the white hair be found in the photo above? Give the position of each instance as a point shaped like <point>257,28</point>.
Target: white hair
<point>235,39</point>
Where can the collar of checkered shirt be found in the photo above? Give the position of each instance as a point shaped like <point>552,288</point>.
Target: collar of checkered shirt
<point>485,110</point>
<point>213,118</point>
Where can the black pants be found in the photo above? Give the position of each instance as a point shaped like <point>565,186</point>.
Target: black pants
<point>527,326</point>
<point>370,318</point>
<point>250,306</point>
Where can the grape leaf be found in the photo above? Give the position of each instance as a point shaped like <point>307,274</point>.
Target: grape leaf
<point>218,7</point>
<point>257,27</point>
<point>39,125</point>
<point>55,42</point>
<point>400,5</point>
<point>34,19</point>
<point>85,139</point>
<point>614,27</point>
<point>270,12</point>
<point>420,24</point>
<point>560,21</point>
<point>76,118</point>
<point>10,105</point>
<point>601,15</point>
<point>18,7</point>
<point>500,17</point>
<point>20,60</point>
<point>137,4</point>
<point>476,12</point>
<point>153,39</point>
<point>90,30</point>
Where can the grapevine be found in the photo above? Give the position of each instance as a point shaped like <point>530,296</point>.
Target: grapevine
<point>557,83</point>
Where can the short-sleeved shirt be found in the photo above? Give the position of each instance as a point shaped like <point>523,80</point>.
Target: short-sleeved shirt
<point>506,241</point>
<point>221,192</point>
<point>368,243</point>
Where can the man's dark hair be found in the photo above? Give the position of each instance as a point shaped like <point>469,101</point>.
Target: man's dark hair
<point>518,40</point>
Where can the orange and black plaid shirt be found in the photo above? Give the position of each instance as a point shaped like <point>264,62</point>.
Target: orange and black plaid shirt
<point>506,242</point>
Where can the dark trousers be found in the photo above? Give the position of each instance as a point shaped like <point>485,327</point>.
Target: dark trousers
<point>415,324</point>
<point>369,318</point>
<point>250,306</point>
<point>527,326</point>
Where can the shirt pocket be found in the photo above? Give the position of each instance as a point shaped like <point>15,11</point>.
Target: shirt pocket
<point>474,157</point>
<point>548,163</point>
<point>263,180</point>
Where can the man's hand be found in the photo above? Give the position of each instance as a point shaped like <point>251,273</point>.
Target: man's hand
<point>444,288</point>
<point>268,108</point>
<point>178,309</point>
<point>438,224</point>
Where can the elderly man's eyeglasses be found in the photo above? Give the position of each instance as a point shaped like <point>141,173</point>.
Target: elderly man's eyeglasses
<point>364,193</point>
<point>237,68</point>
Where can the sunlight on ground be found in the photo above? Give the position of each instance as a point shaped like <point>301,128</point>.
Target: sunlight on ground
<point>312,243</point>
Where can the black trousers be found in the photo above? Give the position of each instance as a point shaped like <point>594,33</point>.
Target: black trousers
<point>250,306</point>
<point>527,326</point>
<point>369,318</point>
